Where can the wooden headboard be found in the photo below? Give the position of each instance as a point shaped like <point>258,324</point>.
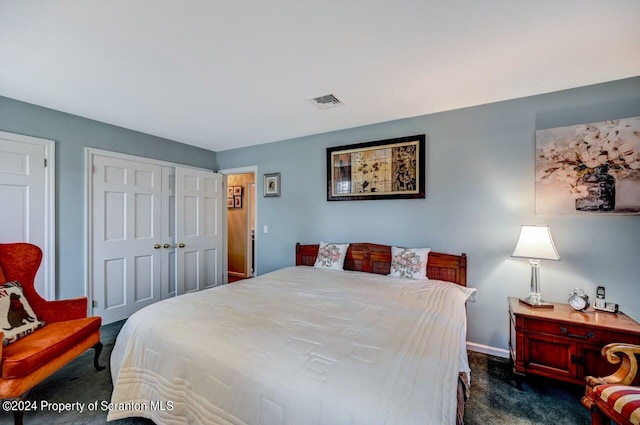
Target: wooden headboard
<point>374,258</point>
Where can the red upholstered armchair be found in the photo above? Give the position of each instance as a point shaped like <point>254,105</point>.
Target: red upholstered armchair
<point>68,331</point>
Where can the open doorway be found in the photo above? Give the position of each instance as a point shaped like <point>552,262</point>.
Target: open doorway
<point>241,220</point>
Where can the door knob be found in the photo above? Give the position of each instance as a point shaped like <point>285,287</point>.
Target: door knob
<point>166,245</point>
<point>156,246</point>
<point>181,245</point>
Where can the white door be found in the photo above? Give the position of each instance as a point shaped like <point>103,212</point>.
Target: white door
<point>199,229</point>
<point>126,239</point>
<point>26,193</point>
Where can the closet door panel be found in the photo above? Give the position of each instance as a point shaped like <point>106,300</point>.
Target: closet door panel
<point>114,278</point>
<point>198,229</point>
<point>190,266</point>
<point>211,267</point>
<point>144,268</point>
<point>126,205</point>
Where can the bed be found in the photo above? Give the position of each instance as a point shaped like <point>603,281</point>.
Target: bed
<point>302,346</point>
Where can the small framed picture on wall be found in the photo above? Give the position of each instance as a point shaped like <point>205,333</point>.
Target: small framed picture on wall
<point>272,185</point>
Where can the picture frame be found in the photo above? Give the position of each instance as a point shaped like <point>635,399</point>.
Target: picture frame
<point>272,185</point>
<point>230,203</point>
<point>382,169</point>
<point>230,191</point>
<point>237,190</point>
<point>237,201</point>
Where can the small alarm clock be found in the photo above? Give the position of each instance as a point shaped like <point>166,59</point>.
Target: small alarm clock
<point>579,300</point>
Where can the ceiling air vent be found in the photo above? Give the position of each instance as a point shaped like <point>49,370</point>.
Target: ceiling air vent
<point>326,101</point>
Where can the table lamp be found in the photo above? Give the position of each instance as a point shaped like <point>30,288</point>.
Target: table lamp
<point>536,244</point>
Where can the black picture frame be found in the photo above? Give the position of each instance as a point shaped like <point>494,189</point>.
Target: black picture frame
<point>385,169</point>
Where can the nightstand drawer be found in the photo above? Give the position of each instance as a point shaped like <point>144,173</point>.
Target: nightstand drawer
<point>586,334</point>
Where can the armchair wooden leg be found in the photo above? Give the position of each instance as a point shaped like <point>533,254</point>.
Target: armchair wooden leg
<point>96,357</point>
<point>18,415</point>
<point>597,417</point>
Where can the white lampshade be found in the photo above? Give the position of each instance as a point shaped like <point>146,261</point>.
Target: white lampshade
<point>535,242</point>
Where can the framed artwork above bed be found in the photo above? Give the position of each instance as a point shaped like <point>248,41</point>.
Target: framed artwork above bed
<point>384,169</point>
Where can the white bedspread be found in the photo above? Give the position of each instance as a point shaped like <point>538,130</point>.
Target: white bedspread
<point>299,346</point>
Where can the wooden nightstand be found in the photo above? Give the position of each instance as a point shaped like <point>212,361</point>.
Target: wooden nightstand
<point>563,343</point>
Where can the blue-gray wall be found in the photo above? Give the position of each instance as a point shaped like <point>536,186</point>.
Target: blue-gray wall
<point>72,134</point>
<point>480,190</point>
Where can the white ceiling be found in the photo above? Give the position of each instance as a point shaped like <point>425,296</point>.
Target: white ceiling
<point>233,73</point>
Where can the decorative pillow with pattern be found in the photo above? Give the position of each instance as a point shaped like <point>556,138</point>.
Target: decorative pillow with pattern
<point>17,318</point>
<point>331,256</point>
<point>409,263</point>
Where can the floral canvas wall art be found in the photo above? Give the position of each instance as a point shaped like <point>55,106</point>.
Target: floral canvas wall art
<point>589,168</point>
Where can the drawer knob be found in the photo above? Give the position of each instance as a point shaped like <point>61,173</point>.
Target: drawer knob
<point>577,360</point>
<point>566,332</point>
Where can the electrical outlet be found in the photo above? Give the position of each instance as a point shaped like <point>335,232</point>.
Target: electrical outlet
<point>265,229</point>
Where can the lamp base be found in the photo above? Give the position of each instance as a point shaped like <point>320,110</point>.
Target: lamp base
<point>534,304</point>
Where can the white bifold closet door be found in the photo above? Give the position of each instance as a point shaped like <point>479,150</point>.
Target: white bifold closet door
<point>199,231</point>
<point>156,233</point>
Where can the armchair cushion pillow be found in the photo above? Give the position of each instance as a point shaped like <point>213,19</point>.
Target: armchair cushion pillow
<point>52,341</point>
<point>17,318</point>
<point>623,399</point>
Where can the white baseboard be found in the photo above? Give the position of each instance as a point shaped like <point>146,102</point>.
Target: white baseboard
<point>487,349</point>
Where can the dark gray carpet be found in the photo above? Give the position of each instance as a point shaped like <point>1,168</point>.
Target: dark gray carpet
<point>494,397</point>
<point>496,400</point>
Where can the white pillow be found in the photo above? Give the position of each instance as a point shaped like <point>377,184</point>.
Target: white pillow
<point>331,256</point>
<point>17,319</point>
<point>409,263</point>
